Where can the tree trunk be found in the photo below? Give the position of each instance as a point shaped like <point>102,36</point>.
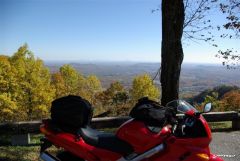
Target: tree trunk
<point>172,52</point>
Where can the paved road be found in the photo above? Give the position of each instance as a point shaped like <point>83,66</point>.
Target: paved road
<point>226,144</point>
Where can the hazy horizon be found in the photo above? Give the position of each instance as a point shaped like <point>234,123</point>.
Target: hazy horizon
<point>123,62</point>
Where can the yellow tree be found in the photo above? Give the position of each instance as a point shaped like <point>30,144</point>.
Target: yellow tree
<point>8,107</point>
<point>58,84</point>
<point>34,92</point>
<point>8,88</point>
<point>142,86</point>
<point>92,87</point>
<point>117,93</point>
<point>8,82</point>
<point>106,96</point>
<point>114,88</point>
<point>70,79</point>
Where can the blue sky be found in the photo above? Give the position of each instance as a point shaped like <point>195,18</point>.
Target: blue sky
<point>92,30</point>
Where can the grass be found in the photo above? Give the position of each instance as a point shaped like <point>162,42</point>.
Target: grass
<point>22,153</point>
<point>19,153</point>
<point>220,125</point>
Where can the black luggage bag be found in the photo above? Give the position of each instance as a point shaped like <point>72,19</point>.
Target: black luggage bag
<point>70,113</point>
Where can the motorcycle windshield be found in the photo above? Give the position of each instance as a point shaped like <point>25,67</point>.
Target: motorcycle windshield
<point>181,106</point>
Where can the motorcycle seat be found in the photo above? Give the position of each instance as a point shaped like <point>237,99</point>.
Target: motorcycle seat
<point>107,141</point>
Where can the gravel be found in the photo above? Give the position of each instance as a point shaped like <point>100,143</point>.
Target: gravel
<point>226,145</point>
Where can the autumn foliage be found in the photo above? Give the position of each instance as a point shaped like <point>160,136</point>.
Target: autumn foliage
<point>27,88</point>
<point>231,101</point>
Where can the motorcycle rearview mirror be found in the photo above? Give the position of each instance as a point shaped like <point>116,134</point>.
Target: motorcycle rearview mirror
<point>207,107</point>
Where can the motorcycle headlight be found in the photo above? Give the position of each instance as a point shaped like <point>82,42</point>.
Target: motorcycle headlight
<point>203,156</point>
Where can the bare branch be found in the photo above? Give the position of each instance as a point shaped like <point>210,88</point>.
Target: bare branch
<point>196,14</point>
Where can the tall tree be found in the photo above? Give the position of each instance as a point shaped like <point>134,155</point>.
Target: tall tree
<point>8,92</point>
<point>58,83</point>
<point>8,81</point>
<point>142,86</point>
<point>172,52</point>
<point>92,87</point>
<point>68,81</point>
<point>70,77</point>
<point>34,92</point>
<point>8,107</point>
<point>114,88</point>
<point>192,26</point>
<point>114,94</point>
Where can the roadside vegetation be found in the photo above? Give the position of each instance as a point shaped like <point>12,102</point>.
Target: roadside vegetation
<point>27,89</point>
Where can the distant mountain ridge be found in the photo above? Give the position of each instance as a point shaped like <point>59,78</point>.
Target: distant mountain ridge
<point>195,78</point>
<point>219,90</point>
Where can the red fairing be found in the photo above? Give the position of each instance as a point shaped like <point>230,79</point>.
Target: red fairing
<point>139,136</point>
<point>206,126</point>
<point>204,122</point>
<point>177,150</point>
<point>80,148</point>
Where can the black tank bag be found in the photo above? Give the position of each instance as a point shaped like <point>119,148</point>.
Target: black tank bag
<point>150,112</point>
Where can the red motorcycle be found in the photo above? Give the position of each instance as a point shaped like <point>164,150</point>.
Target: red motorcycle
<point>185,138</point>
